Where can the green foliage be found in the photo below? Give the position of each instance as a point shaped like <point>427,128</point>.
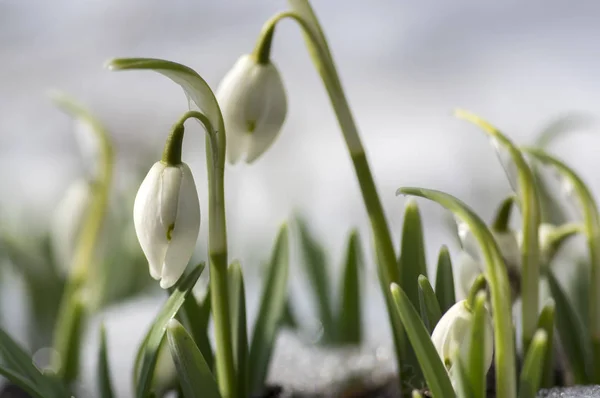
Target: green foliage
<point>105,387</point>
<point>194,374</point>
<point>341,318</point>
<point>433,369</point>
<point>148,351</point>
<point>428,304</point>
<point>444,281</point>
<point>270,313</point>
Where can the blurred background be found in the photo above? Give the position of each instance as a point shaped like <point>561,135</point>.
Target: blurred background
<point>405,66</point>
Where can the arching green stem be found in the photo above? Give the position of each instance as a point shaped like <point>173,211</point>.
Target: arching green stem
<point>72,307</point>
<point>591,227</point>
<point>324,64</point>
<point>217,244</point>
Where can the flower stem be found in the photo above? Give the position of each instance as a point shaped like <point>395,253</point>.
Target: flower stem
<point>73,305</point>
<point>217,242</point>
<point>388,268</point>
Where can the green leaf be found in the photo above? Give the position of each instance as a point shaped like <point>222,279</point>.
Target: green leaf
<point>316,268</point>
<point>148,352</point>
<point>104,382</point>
<point>270,313</point>
<point>499,286</point>
<point>444,281</point>
<point>531,374</point>
<point>592,232</point>
<point>18,367</point>
<point>20,380</point>
<point>194,374</point>
<point>476,360</point>
<point>502,218</point>
<point>195,87</point>
<point>411,264</point>
<point>531,218</point>
<point>462,383</point>
<point>412,254</point>
<point>571,332</point>
<point>195,316</point>
<point>237,303</point>
<point>433,369</point>
<point>349,323</point>
<point>546,323</point>
<point>430,308</point>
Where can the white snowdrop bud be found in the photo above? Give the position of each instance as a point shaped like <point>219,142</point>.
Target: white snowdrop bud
<point>166,215</point>
<point>68,220</point>
<point>254,105</point>
<point>454,330</point>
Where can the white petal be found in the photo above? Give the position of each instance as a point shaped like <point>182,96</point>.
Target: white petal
<point>468,269</point>
<point>185,234</point>
<point>254,106</point>
<point>170,183</point>
<point>270,118</point>
<point>146,218</point>
<point>232,95</point>
<point>509,247</point>
<point>68,219</point>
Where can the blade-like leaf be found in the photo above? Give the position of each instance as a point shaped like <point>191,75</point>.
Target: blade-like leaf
<point>194,316</point>
<point>194,374</point>
<point>444,281</point>
<point>531,374</point>
<point>148,352</point>
<point>104,383</point>
<point>530,211</point>
<point>289,317</point>
<point>430,308</point>
<point>592,231</point>
<point>239,330</point>
<point>499,286</point>
<point>476,360</point>
<point>546,323</point>
<point>19,368</point>
<point>433,369</point>
<point>270,312</point>
<point>412,255</point>
<point>26,384</point>
<point>195,87</point>
<point>571,333</point>
<point>349,322</point>
<point>316,268</point>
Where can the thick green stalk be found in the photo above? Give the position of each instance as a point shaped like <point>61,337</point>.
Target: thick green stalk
<point>324,64</point>
<point>217,242</point>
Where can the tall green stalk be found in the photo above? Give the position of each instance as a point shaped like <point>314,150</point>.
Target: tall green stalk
<point>217,242</point>
<point>317,45</point>
<point>73,307</point>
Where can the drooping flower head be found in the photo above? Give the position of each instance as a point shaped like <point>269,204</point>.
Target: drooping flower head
<point>254,105</point>
<point>166,216</point>
<point>454,330</point>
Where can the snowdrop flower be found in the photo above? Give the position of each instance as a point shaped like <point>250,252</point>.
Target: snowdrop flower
<point>254,105</point>
<point>68,221</point>
<point>454,330</point>
<point>471,264</point>
<point>166,215</point>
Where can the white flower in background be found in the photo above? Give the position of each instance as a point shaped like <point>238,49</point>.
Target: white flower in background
<point>254,105</point>
<point>166,215</point>
<point>546,239</point>
<point>68,220</point>
<point>454,330</point>
<point>470,263</point>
